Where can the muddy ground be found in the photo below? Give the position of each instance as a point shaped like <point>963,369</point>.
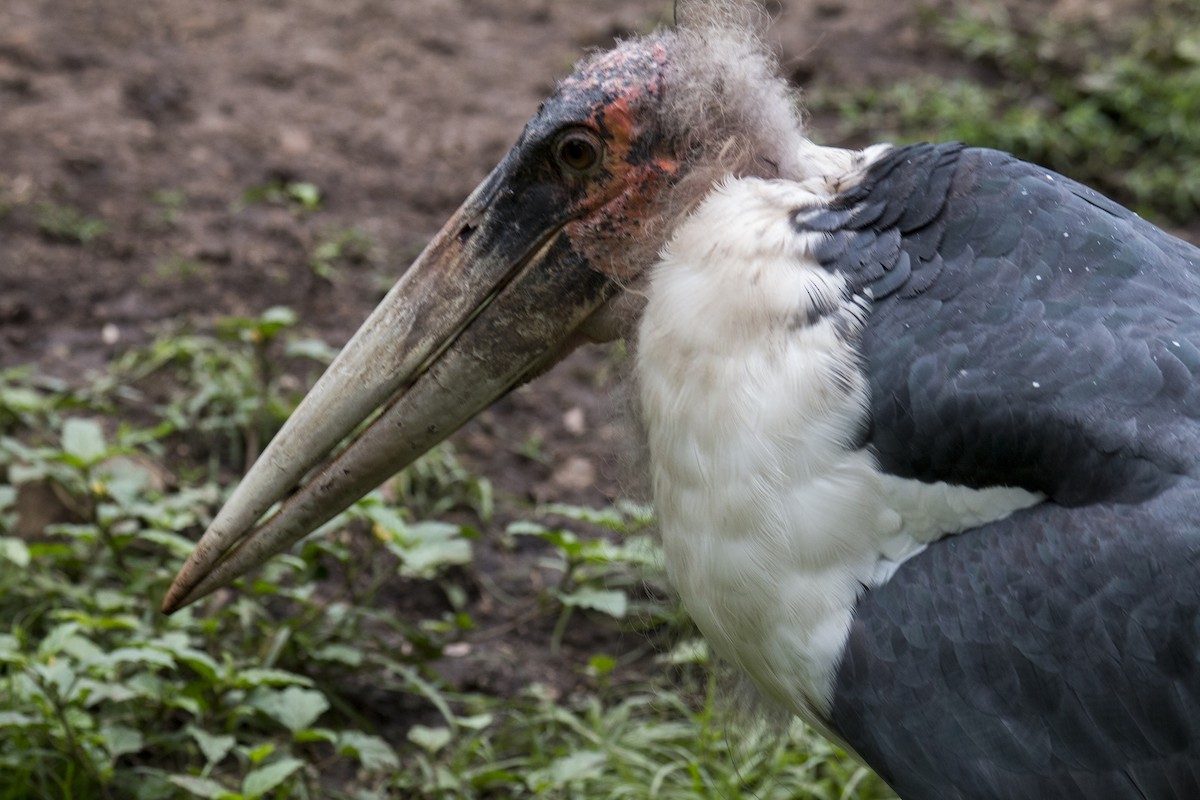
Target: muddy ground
<point>164,119</point>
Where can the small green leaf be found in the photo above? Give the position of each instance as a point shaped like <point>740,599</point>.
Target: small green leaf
<point>476,722</point>
<point>199,787</point>
<point>212,746</point>
<point>249,678</point>
<point>125,622</point>
<point>58,676</point>
<point>174,543</point>
<point>97,692</point>
<point>430,739</point>
<point>177,645</point>
<point>375,754</point>
<point>119,740</point>
<point>607,601</point>
<point>125,480</point>
<point>10,647</point>
<point>313,349</point>
<point>54,641</point>
<point>82,533</point>
<point>317,735</point>
<point>425,558</point>
<point>609,518</point>
<point>15,719</point>
<point>139,655</point>
<point>19,473</point>
<point>14,550</point>
<point>386,520</point>
<point>260,754</point>
<point>340,653</point>
<point>83,440</point>
<point>692,651</point>
<point>18,398</point>
<point>264,779</point>
<point>568,770</point>
<point>306,194</point>
<point>183,702</point>
<point>432,530</point>
<point>524,527</point>
<point>276,318</point>
<point>602,664</point>
<point>639,514</point>
<point>111,600</point>
<point>68,224</point>
<point>293,707</point>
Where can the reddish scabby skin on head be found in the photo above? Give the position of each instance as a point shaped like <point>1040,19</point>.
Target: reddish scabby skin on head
<point>620,95</point>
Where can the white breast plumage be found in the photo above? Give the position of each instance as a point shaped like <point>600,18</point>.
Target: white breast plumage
<point>773,517</point>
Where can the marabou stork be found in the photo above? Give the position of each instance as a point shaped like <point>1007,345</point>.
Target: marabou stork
<point>922,420</point>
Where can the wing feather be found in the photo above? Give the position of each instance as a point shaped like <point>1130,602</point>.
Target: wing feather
<point>1027,331</point>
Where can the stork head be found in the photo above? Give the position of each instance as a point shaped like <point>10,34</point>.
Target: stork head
<point>545,253</point>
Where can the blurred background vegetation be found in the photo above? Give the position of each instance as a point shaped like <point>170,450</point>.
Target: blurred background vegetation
<point>1112,104</point>
<point>269,692</point>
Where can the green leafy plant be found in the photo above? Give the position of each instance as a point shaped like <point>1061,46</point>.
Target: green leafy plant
<point>1112,104</point>
<point>438,482</point>
<point>299,195</point>
<point>651,742</point>
<point>181,268</point>
<point>28,399</point>
<point>595,573</point>
<point>228,387</point>
<point>171,204</point>
<point>66,224</point>
<point>338,248</point>
<point>266,692</point>
<point>104,697</point>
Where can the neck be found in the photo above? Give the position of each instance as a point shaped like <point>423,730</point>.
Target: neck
<point>753,397</point>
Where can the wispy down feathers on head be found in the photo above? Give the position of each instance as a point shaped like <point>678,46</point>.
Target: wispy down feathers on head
<point>721,110</point>
<point>724,101</point>
<point>725,94</point>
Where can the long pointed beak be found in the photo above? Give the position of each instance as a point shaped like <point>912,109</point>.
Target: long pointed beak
<point>477,314</point>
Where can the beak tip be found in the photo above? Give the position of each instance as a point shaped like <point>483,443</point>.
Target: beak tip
<point>182,591</point>
<point>197,567</point>
<point>175,597</point>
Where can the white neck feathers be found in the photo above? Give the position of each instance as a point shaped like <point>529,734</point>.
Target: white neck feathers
<point>754,397</point>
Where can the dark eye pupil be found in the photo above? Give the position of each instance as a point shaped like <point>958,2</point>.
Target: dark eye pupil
<point>578,153</point>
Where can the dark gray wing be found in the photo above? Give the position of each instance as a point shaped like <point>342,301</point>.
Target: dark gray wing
<point>1027,331</point>
<point>1050,655</point>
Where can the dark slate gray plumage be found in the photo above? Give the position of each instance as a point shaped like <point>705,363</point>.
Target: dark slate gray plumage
<point>1027,331</point>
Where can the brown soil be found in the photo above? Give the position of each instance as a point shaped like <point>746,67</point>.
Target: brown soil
<point>159,117</point>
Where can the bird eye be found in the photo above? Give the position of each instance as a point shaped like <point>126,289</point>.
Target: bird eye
<point>579,151</point>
